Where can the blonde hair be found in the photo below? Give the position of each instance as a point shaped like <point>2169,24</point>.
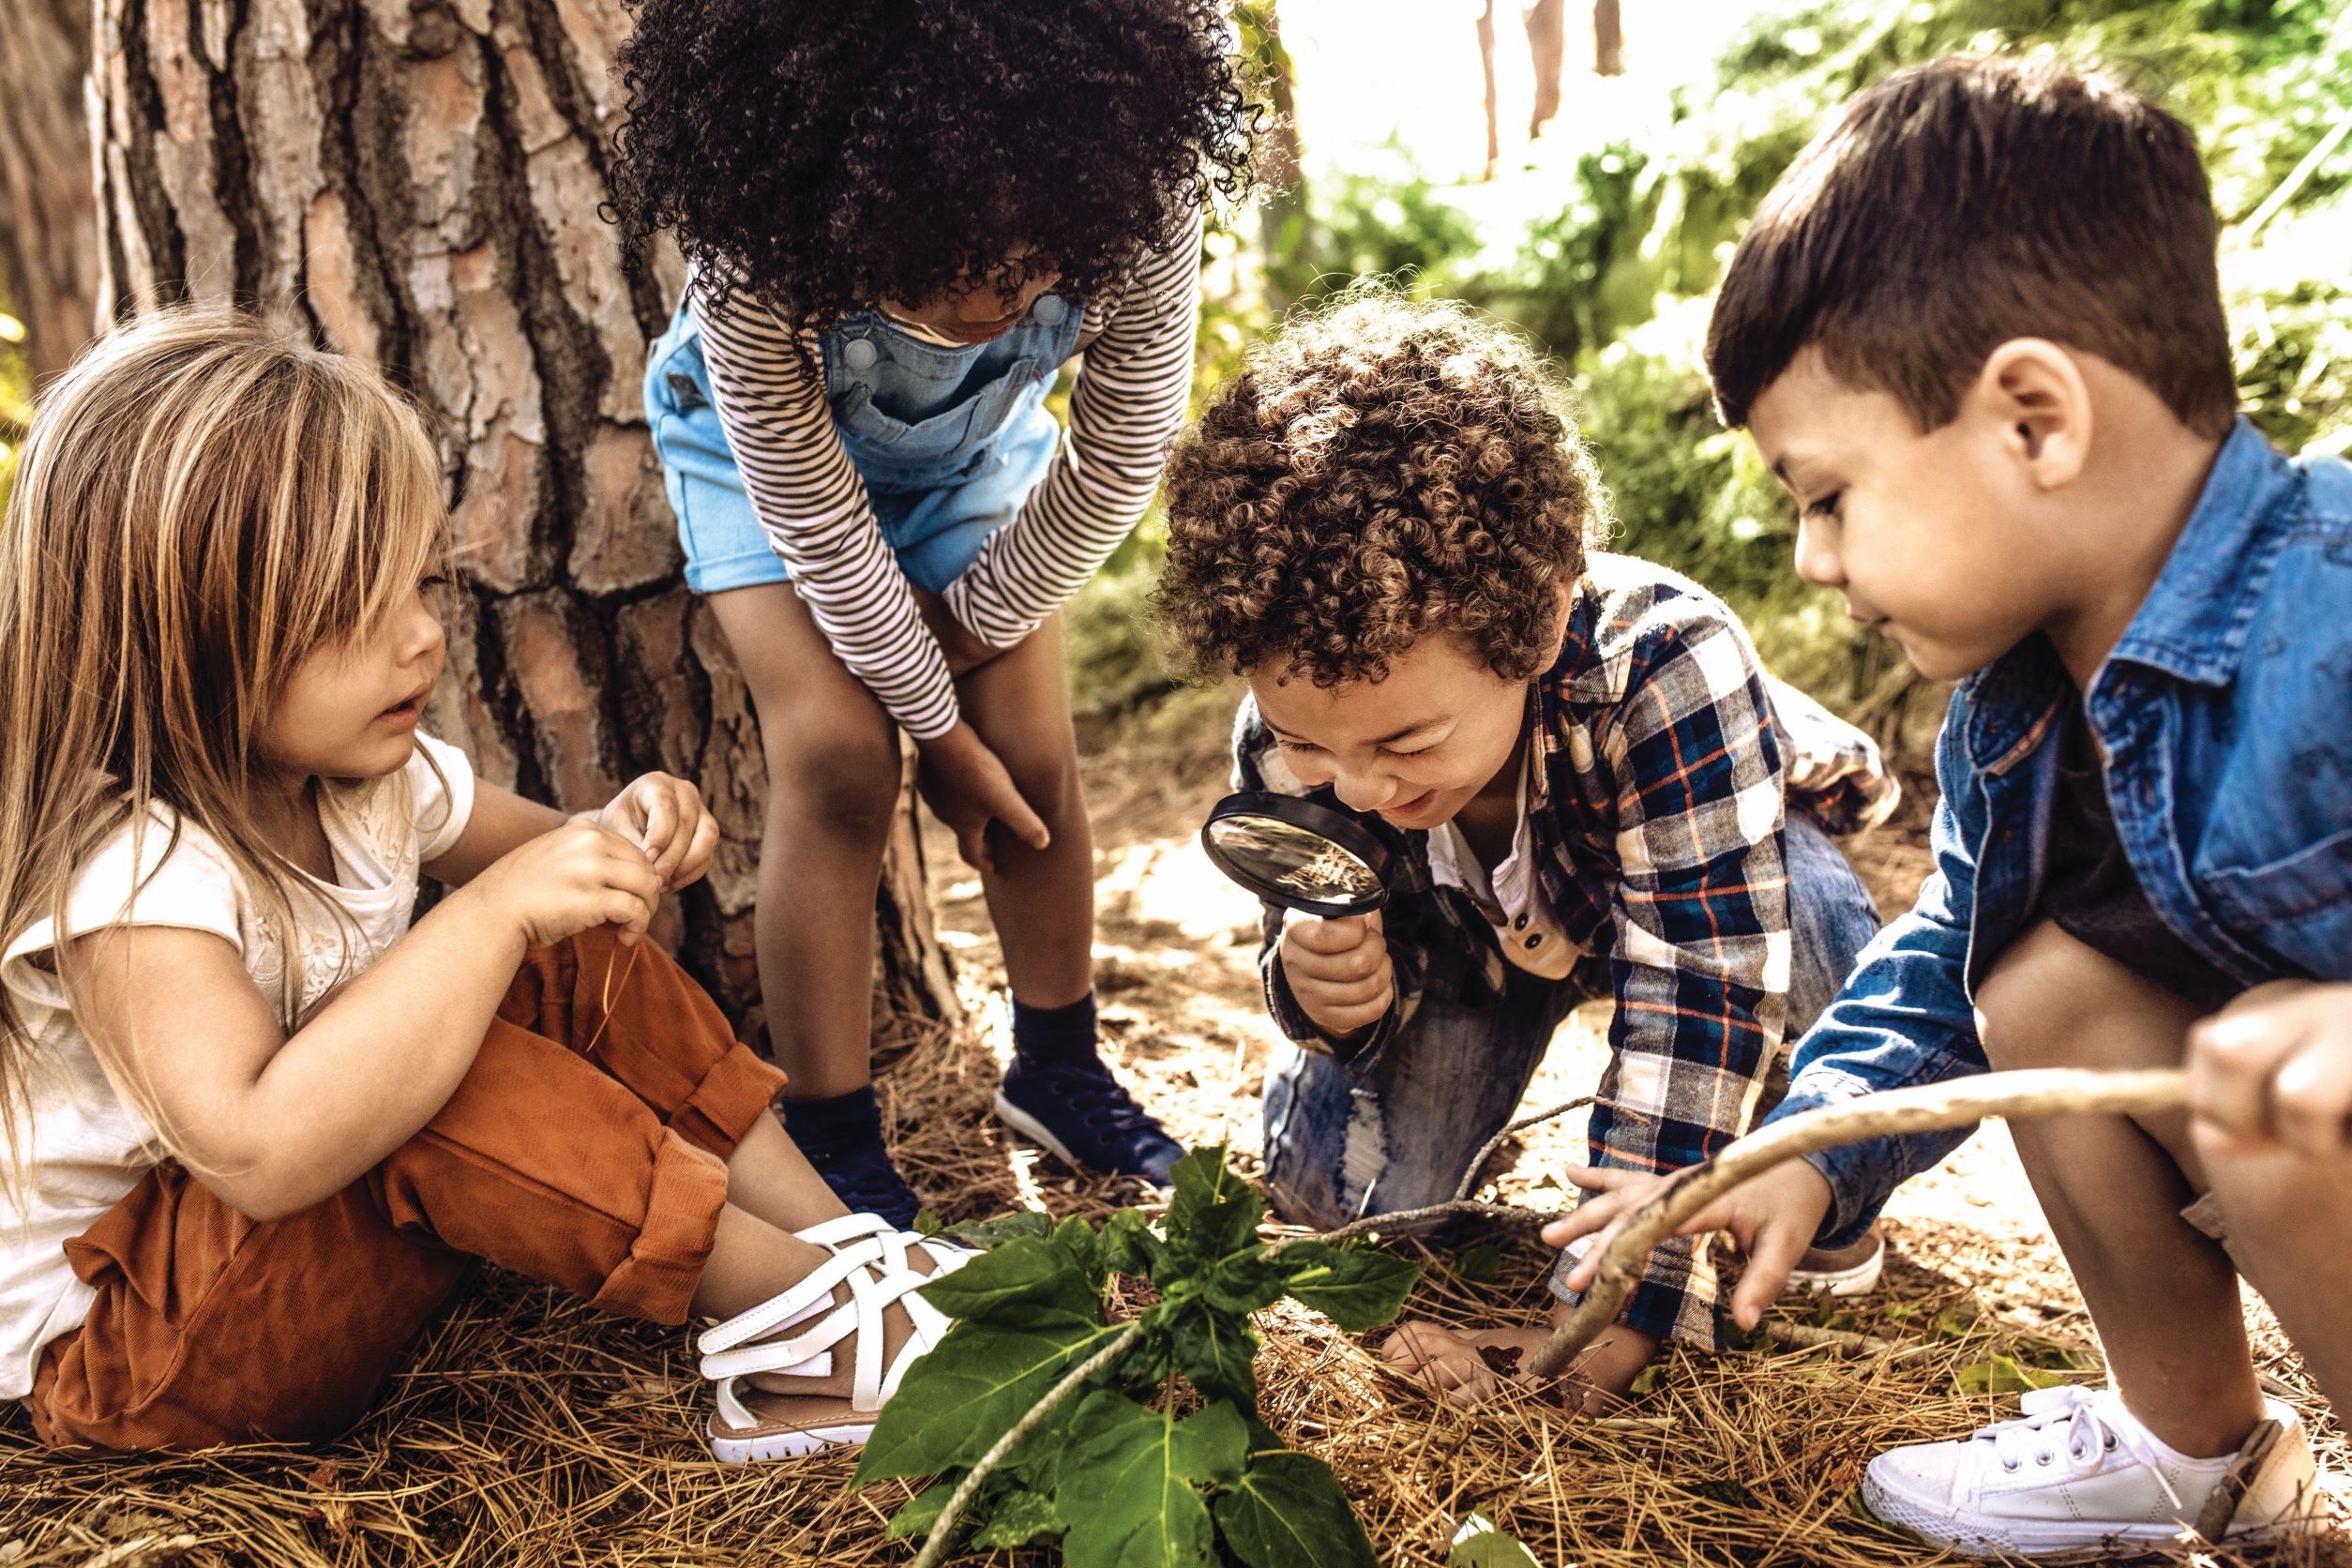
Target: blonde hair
<point>200,504</point>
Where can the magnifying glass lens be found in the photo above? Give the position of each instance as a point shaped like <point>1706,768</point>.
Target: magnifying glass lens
<point>1290,857</point>
<point>1299,853</point>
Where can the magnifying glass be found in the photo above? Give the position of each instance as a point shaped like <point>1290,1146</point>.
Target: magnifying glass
<point>1298,853</point>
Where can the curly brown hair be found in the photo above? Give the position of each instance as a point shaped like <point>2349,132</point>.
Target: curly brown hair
<point>1378,470</point>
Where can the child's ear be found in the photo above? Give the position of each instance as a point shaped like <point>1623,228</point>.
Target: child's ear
<point>2032,394</point>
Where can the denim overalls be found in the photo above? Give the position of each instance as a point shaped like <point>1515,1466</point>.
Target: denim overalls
<point>949,441</point>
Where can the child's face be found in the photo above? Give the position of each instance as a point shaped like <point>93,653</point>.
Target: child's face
<point>350,710</point>
<point>1941,541</point>
<point>982,311</point>
<point>1416,746</point>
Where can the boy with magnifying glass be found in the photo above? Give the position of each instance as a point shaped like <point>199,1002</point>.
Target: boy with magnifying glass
<point>1578,774</point>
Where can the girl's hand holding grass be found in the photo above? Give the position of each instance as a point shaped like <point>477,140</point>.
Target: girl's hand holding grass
<point>1773,1218</point>
<point>666,818</point>
<point>568,880</point>
<point>967,786</point>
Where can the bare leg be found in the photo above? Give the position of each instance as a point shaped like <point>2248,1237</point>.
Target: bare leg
<point>1041,901</point>
<point>2290,1224</point>
<point>2162,1295</point>
<point>768,1178</point>
<point>833,785</point>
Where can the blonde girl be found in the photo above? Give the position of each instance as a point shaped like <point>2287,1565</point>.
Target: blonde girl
<point>258,1127</point>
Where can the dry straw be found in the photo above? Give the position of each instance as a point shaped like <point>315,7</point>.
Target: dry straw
<point>531,1432</point>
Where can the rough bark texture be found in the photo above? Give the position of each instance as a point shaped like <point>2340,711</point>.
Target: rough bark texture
<point>417,184</point>
<point>47,229</point>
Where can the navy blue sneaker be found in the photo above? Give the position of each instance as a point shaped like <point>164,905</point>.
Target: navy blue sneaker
<point>1076,1108</point>
<point>863,1178</point>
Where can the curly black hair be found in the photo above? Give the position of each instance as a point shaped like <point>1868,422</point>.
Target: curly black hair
<point>1379,470</point>
<point>821,156</point>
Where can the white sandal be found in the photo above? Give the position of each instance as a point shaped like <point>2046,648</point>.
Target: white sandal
<point>874,1260</point>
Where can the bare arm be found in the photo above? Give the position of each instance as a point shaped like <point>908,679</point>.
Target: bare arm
<point>502,823</point>
<point>274,1124</point>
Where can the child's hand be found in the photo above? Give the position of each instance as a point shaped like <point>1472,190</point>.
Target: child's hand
<point>1338,970</point>
<point>967,788</point>
<point>666,818</point>
<point>2273,1072</point>
<point>566,881</point>
<point>1772,1216</point>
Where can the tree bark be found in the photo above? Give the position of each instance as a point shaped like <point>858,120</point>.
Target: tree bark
<point>48,220</point>
<point>417,183</point>
<point>1486,68</point>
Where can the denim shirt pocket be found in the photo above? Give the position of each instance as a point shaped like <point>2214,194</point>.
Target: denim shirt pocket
<point>2298,906</point>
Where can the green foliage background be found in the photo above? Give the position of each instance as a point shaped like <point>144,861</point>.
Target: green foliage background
<point>1615,275</point>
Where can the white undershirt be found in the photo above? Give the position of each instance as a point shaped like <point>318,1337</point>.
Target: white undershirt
<point>1512,897</point>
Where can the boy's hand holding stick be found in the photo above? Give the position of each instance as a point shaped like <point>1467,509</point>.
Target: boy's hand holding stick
<point>1696,1201</point>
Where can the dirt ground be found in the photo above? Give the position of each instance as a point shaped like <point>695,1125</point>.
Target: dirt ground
<point>529,1430</point>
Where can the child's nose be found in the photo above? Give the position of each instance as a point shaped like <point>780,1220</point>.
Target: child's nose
<point>1816,555</point>
<point>1363,790</point>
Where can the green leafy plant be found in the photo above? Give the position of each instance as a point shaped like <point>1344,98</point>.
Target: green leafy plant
<point>1125,1466</point>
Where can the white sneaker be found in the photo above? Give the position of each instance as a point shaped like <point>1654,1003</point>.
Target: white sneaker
<point>2076,1470</point>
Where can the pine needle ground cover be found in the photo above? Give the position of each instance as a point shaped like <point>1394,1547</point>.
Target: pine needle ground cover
<point>529,1430</point>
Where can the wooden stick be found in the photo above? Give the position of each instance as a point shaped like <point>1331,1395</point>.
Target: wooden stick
<point>2041,1091</point>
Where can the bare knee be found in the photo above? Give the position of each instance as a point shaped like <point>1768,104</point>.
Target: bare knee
<point>839,779</point>
<point>2052,1002</point>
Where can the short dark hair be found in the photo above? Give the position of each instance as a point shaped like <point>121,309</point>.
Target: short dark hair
<point>1379,470</point>
<point>1962,204</point>
<point>823,157</point>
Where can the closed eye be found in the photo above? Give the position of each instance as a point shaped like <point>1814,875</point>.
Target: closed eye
<point>1417,752</point>
<point>1824,506</point>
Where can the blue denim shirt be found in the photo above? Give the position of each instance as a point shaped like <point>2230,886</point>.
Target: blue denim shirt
<point>2225,713</point>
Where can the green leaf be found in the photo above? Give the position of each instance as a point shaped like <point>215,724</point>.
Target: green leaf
<point>1649,1379</point>
<point>1242,1282</point>
<point>1022,1518</point>
<point>2003,1374</point>
<point>1217,1353</point>
<point>968,1392</point>
<point>1730,1493</point>
<point>1129,1246</point>
<point>1131,1479</point>
<point>1288,1512</point>
<point>1358,1290</point>
<point>1479,1545</point>
<point>1026,1283</point>
<point>1479,1265</point>
<point>922,1510</point>
<point>1077,1238</point>
<point>1212,1215</point>
<point>1002,1227</point>
<point>927,1222</point>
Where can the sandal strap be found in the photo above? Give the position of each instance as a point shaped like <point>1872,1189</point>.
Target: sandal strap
<point>848,1228</point>
<point>877,1270</point>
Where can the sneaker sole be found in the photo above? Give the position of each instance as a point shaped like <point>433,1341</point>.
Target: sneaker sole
<point>1895,1513</point>
<point>1030,1128</point>
<point>1860,1280</point>
<point>793,1443</point>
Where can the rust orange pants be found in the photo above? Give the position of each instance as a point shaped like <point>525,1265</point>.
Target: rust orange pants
<point>602,1173</point>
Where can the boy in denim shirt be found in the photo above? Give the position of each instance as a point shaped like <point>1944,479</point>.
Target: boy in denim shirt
<point>1977,331</point>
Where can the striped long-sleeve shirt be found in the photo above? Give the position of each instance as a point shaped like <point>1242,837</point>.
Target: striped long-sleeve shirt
<point>1124,411</point>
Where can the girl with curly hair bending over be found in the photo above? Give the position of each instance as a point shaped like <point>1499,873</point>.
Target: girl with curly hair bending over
<point>901,218</point>
<point>1592,789</point>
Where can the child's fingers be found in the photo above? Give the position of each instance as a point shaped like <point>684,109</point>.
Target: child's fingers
<point>658,835</point>
<point>1776,1252</point>
<point>2231,1061</point>
<point>699,851</point>
<point>2312,1092</point>
<point>1019,820</point>
<point>973,844</point>
<point>1602,1178</point>
<point>1328,938</point>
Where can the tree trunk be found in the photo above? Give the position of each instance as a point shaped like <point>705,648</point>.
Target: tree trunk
<point>1486,66</point>
<point>417,184</point>
<point>48,223</point>
<point>1547,23</point>
<point>1608,39</point>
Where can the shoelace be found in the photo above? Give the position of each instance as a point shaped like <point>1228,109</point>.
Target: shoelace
<point>2077,1420</point>
<point>1099,1099</point>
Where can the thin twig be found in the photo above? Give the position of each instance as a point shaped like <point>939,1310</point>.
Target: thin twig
<point>1486,1151</point>
<point>935,1544</point>
<point>2043,1092</point>
<point>1809,1338</point>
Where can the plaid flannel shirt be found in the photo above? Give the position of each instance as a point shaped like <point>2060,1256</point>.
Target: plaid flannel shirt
<point>1657,786</point>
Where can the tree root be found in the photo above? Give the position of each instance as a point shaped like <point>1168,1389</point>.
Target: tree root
<point>2040,1092</point>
